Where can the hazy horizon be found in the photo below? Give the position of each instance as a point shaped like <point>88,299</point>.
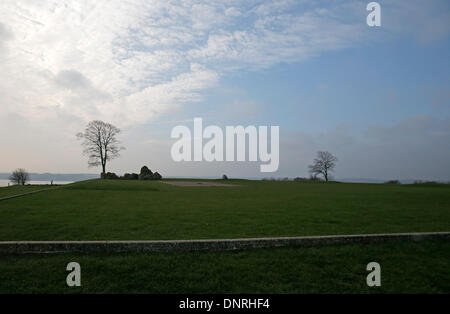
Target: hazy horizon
<point>376,97</point>
<point>75,177</point>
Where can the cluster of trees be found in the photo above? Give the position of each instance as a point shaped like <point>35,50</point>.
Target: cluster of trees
<point>146,174</point>
<point>101,145</point>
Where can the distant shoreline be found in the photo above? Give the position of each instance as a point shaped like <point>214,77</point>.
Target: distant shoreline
<point>75,177</point>
<point>4,183</point>
<point>56,176</point>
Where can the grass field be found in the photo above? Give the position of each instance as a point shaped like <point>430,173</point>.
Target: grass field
<point>128,210</point>
<point>412,267</point>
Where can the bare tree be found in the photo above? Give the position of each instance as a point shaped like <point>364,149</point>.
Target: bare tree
<point>19,176</point>
<point>100,143</point>
<point>323,165</point>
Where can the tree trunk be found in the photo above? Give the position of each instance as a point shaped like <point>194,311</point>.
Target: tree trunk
<point>104,159</point>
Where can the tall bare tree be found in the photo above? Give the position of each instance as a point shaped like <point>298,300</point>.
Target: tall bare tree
<point>323,164</point>
<point>19,176</point>
<point>100,143</point>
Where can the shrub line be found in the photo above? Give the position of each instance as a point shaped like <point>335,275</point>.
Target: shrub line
<point>23,247</point>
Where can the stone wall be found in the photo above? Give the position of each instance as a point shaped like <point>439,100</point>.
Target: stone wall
<point>211,245</point>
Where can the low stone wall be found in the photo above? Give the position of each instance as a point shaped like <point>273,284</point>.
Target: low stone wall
<point>203,245</point>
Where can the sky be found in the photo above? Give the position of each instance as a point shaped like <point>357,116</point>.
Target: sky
<point>376,97</point>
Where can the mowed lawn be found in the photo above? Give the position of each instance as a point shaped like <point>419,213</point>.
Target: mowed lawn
<point>409,267</point>
<point>133,210</point>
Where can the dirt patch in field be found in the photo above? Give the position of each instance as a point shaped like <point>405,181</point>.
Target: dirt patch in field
<point>198,184</point>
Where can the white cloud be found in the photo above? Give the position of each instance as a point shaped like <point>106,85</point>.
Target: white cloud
<point>131,61</point>
<point>5,35</point>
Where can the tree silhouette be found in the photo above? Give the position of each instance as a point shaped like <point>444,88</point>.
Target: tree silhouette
<point>323,164</point>
<point>100,143</point>
<point>19,176</point>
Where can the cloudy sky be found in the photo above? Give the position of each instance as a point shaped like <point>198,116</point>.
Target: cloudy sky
<point>378,98</point>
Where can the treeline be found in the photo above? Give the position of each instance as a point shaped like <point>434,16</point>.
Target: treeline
<point>297,179</point>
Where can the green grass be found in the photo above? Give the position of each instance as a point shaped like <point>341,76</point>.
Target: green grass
<point>410,267</point>
<point>21,189</point>
<point>133,210</point>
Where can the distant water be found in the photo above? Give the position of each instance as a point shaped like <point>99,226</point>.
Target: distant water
<point>5,182</point>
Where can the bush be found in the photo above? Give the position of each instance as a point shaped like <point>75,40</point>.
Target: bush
<point>310,179</point>
<point>130,176</point>
<point>109,176</point>
<point>146,174</point>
